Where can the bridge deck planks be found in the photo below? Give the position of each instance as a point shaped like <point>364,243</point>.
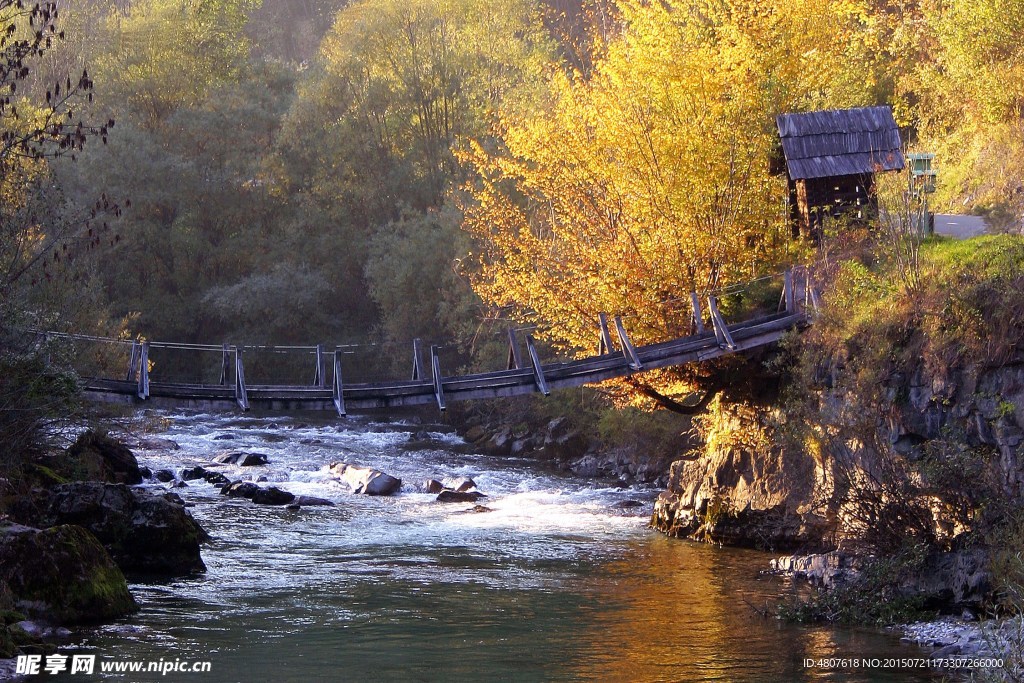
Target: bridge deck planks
<point>502,383</point>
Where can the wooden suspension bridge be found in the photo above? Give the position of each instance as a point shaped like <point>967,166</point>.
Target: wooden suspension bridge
<point>524,374</point>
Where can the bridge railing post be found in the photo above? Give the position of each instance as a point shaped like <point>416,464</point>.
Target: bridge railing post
<point>628,350</point>
<point>338,384</point>
<point>787,291</point>
<point>241,394</point>
<point>417,360</point>
<point>604,345</point>
<point>538,370</point>
<point>133,361</point>
<point>225,363</point>
<point>319,379</point>
<point>515,358</point>
<point>698,317</point>
<point>144,371</point>
<point>722,333</point>
<point>435,368</point>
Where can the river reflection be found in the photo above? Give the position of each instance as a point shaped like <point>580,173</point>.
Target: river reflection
<point>678,611</point>
<point>552,583</point>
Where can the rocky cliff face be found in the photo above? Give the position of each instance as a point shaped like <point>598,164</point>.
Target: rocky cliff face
<point>758,479</point>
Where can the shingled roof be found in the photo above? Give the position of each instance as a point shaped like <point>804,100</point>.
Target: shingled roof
<point>840,142</point>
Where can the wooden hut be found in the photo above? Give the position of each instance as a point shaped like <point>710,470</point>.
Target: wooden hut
<point>831,158</point>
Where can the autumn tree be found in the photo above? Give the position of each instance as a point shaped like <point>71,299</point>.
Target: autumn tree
<point>41,232</point>
<point>650,178</point>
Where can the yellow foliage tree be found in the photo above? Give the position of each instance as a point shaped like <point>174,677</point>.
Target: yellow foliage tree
<point>650,179</point>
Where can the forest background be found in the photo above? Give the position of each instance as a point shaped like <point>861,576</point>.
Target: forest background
<point>380,170</point>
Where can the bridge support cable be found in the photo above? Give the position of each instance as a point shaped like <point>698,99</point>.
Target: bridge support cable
<point>241,395</point>
<point>538,370</point>
<point>515,357</point>
<point>604,345</point>
<point>225,363</point>
<point>417,360</point>
<point>627,346</point>
<point>320,377</point>
<point>725,340</point>
<point>435,368</point>
<point>697,317</point>
<point>338,385</point>
<point>144,371</point>
<point>133,362</point>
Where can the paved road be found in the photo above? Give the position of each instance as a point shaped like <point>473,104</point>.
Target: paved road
<point>960,227</point>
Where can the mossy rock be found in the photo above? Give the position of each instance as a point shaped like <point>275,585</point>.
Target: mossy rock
<point>44,476</point>
<point>63,574</point>
<point>97,457</point>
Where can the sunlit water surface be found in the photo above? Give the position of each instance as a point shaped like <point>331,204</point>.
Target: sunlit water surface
<point>554,583</point>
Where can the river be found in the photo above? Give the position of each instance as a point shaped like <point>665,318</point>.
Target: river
<point>552,583</point>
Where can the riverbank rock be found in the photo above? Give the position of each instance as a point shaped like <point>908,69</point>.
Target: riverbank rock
<point>95,456</point>
<point>241,459</point>
<point>365,480</point>
<point>459,496</point>
<point>62,574</point>
<point>823,569</point>
<point>144,531</point>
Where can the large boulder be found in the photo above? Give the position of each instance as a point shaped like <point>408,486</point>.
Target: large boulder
<point>240,489</point>
<point>365,480</point>
<point>62,574</point>
<point>273,496</point>
<point>241,458</point>
<point>432,486</point>
<point>94,456</point>
<point>459,483</point>
<point>144,531</point>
